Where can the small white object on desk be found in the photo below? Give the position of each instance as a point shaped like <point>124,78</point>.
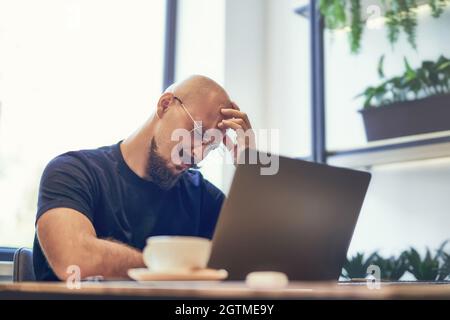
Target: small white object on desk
<point>267,280</point>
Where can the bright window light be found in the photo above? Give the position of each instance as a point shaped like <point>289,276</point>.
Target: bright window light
<point>74,74</point>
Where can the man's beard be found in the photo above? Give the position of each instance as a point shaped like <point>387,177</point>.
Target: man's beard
<point>157,169</point>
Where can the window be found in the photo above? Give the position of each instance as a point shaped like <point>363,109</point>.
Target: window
<point>74,74</point>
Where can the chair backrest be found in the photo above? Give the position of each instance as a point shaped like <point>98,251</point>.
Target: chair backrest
<point>23,270</point>
<point>7,254</point>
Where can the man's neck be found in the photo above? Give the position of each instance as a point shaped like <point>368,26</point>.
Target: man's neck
<point>135,149</point>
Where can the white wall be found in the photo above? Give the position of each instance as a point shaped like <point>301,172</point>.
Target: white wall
<point>407,205</point>
<point>245,55</point>
<point>288,77</point>
<point>201,39</point>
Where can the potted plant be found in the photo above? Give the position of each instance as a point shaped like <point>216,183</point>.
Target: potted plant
<point>392,268</point>
<point>430,267</point>
<point>415,102</point>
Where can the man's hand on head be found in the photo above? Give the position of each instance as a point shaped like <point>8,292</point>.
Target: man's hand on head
<point>238,121</point>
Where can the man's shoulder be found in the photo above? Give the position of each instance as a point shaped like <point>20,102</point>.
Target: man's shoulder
<point>83,157</point>
<point>85,162</point>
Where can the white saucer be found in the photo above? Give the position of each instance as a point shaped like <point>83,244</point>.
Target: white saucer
<point>144,274</point>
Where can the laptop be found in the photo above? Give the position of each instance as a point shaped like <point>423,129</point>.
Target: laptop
<point>299,221</point>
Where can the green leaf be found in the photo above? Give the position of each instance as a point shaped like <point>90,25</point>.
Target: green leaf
<point>437,7</point>
<point>333,12</point>
<point>428,268</point>
<point>393,26</point>
<point>407,65</point>
<point>356,266</point>
<point>380,67</point>
<point>356,26</point>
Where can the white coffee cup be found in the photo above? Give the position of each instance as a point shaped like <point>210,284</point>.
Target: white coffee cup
<point>177,253</point>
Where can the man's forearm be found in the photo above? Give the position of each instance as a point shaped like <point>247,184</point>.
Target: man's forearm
<point>108,258</point>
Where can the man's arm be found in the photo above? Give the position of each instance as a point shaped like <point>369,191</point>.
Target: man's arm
<point>67,238</point>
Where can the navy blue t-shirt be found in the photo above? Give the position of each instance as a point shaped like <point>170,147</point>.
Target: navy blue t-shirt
<point>121,205</point>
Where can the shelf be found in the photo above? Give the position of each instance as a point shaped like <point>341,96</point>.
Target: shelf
<point>413,148</point>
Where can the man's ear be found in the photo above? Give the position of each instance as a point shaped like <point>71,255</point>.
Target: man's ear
<point>164,103</point>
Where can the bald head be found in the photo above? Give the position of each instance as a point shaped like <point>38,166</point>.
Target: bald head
<point>198,89</point>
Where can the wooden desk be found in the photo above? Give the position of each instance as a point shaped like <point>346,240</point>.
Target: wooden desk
<point>225,290</point>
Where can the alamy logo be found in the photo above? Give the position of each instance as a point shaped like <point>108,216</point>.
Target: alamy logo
<point>74,279</point>
<point>373,279</point>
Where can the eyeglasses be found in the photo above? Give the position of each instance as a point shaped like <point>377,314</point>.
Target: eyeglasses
<point>197,131</point>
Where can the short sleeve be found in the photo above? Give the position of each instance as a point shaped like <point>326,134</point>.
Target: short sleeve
<point>67,183</point>
<point>213,199</point>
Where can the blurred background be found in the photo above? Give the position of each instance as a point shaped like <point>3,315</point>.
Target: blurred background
<point>77,74</point>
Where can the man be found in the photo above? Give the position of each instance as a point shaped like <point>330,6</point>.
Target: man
<point>96,208</point>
